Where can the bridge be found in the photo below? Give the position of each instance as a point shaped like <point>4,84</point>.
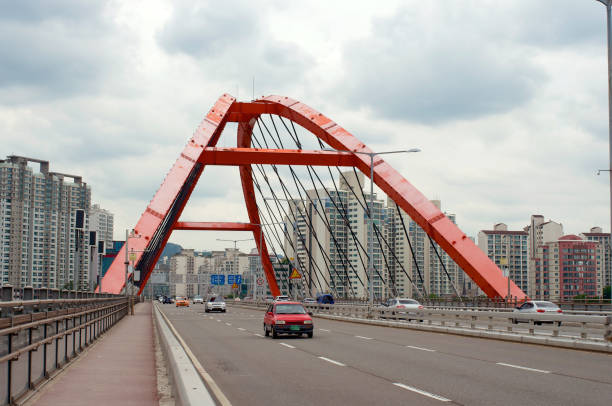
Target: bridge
<point>101,348</point>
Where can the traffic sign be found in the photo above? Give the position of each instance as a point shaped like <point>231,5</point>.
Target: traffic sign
<point>235,286</point>
<point>234,279</point>
<point>295,274</point>
<point>216,279</point>
<point>260,281</point>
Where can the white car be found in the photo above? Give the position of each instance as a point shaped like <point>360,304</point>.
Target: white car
<point>282,298</point>
<point>537,307</point>
<point>215,304</point>
<point>198,299</point>
<point>403,307</point>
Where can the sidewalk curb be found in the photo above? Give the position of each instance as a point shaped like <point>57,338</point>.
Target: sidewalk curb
<point>190,382</point>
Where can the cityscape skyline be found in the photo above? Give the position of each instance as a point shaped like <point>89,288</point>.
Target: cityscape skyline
<point>506,119</point>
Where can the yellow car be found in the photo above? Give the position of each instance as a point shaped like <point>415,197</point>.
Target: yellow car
<point>181,301</point>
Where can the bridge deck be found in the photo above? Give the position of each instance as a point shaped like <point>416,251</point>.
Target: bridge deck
<point>118,370</point>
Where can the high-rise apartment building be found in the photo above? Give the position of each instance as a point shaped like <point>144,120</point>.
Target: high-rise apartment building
<point>567,268</point>
<point>101,226</point>
<point>539,232</point>
<point>509,251</point>
<point>43,224</point>
<point>597,234</point>
<point>418,265</point>
<point>328,238</point>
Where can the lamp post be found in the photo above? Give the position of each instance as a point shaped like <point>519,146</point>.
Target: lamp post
<point>235,242</point>
<point>608,4</point>
<point>370,208</point>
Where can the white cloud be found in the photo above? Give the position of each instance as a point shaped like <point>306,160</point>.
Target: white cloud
<point>507,101</point>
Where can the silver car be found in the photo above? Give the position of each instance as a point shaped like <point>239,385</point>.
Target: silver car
<point>403,307</point>
<point>215,304</point>
<point>537,307</point>
<point>198,299</point>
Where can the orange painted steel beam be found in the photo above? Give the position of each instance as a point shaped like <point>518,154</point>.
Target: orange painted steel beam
<point>209,226</point>
<point>171,197</point>
<point>245,130</point>
<point>249,156</point>
<point>161,216</point>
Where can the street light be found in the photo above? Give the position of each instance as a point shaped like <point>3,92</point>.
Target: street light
<point>608,4</point>
<point>370,208</point>
<point>235,242</point>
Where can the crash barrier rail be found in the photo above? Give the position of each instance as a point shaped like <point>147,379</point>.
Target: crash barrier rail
<point>35,337</point>
<point>585,327</point>
<point>600,305</point>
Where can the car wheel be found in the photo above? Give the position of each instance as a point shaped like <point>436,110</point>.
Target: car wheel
<point>224,310</point>
<point>266,332</point>
<point>309,334</point>
<point>274,333</point>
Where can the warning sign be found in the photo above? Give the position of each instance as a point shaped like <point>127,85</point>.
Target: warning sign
<point>295,274</point>
<point>235,286</point>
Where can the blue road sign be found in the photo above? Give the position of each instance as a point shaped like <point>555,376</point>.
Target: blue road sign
<point>217,279</point>
<point>231,279</point>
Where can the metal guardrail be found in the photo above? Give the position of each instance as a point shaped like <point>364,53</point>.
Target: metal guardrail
<point>586,327</point>
<point>35,337</point>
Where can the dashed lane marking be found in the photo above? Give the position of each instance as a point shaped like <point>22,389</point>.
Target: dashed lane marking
<point>228,324</point>
<point>241,329</point>
<point>422,392</point>
<point>332,361</point>
<point>287,345</point>
<point>420,348</point>
<point>364,338</point>
<point>258,335</point>
<point>323,329</point>
<point>525,368</point>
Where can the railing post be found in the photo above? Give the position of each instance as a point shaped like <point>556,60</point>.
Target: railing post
<point>28,294</point>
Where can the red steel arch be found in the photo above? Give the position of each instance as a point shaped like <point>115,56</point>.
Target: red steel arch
<point>161,216</point>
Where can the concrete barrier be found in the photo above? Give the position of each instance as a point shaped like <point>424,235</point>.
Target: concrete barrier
<point>188,387</point>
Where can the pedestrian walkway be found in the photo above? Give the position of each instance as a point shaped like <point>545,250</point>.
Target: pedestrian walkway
<point>118,370</point>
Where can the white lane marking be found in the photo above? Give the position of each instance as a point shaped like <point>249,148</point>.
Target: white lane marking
<point>241,329</point>
<point>258,335</point>
<point>228,324</point>
<point>365,338</point>
<point>525,368</point>
<point>422,392</point>
<point>218,320</point>
<point>332,361</point>
<point>420,348</point>
<point>287,345</point>
<point>322,329</point>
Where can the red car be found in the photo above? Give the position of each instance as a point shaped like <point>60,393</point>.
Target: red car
<point>287,318</point>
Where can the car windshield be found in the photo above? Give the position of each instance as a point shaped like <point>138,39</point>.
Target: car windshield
<point>290,309</point>
<point>197,297</point>
<point>179,298</point>
<point>547,305</point>
<point>219,299</point>
<point>408,301</point>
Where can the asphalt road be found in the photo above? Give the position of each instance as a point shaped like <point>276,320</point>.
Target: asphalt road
<point>347,363</point>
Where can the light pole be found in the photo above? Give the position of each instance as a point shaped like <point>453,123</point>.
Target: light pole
<point>370,208</point>
<point>235,256</point>
<point>608,4</point>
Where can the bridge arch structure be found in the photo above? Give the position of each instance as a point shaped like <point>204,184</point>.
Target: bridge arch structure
<point>162,215</point>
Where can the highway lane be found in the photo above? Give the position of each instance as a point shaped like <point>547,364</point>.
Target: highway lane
<point>364,364</point>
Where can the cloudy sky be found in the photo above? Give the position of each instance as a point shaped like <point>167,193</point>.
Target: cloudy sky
<point>507,100</point>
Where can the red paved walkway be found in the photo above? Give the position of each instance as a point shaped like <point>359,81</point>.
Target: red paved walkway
<point>119,370</point>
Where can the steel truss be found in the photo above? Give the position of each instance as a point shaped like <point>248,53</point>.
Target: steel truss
<point>162,214</point>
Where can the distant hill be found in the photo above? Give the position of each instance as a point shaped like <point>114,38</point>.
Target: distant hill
<point>171,250</point>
